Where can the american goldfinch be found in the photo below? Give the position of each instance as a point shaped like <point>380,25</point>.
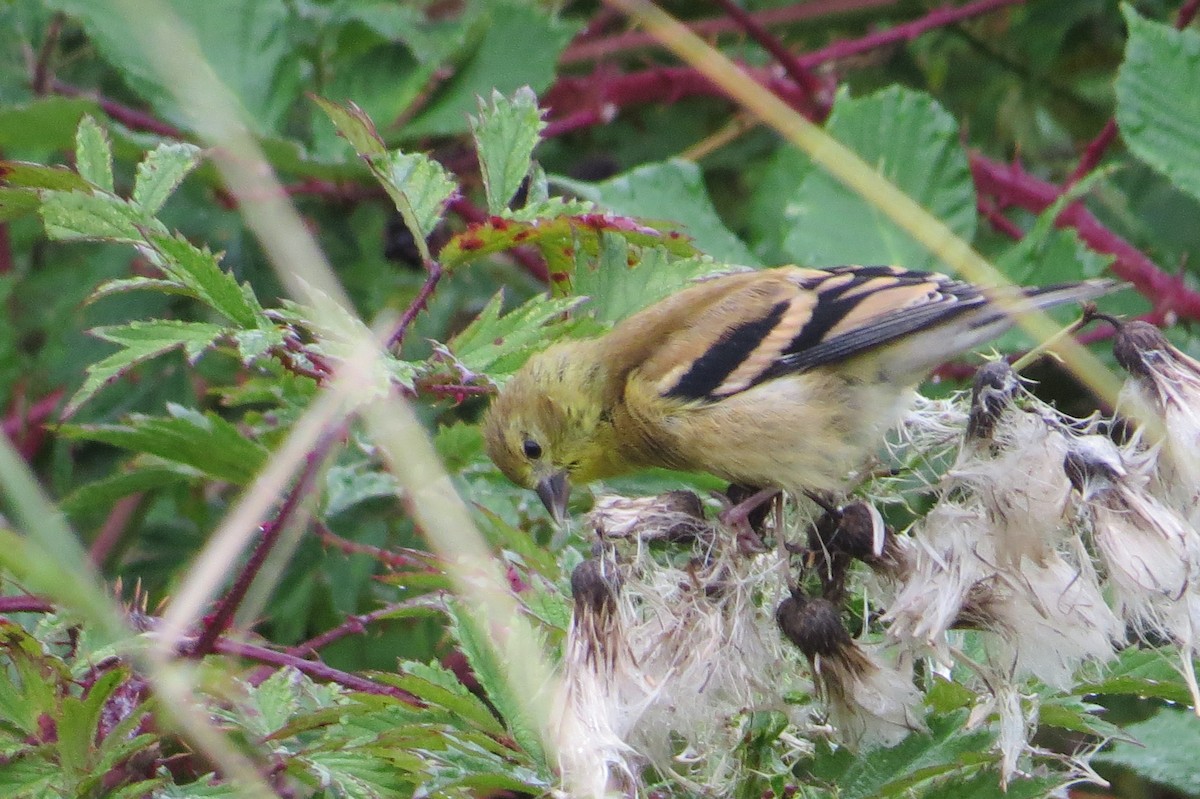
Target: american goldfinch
<point>779,378</point>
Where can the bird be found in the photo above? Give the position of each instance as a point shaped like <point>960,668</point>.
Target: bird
<point>779,378</point>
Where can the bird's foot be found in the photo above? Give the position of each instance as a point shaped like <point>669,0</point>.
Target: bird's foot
<point>747,516</point>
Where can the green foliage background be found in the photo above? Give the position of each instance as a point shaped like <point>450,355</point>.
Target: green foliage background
<point>148,385</point>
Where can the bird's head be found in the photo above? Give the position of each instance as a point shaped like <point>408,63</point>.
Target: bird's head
<point>548,427</point>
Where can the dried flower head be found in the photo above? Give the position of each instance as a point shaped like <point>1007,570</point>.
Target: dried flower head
<point>1163,395</point>
<point>870,702</point>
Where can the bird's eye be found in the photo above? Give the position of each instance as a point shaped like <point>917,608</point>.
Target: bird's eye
<point>533,450</point>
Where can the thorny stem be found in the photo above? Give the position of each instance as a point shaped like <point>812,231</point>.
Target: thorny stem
<point>593,48</point>
<point>25,603</point>
<point>759,33</point>
<point>1095,149</point>
<point>222,617</point>
<point>434,274</point>
<point>395,560</point>
<point>313,668</point>
<point>129,117</point>
<point>1012,184</point>
<point>25,425</point>
<point>904,32</point>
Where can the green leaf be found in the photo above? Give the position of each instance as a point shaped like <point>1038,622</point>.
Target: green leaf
<point>21,174</point>
<point>1163,751</point>
<point>15,203</point>
<point>671,191</point>
<point>620,284</point>
<point>250,47</point>
<point>1158,105</point>
<point>492,676</point>
<point>93,154</point>
<point>45,123</point>
<point>914,143</point>
<point>199,272</point>
<point>141,341</point>
<point>1143,673</point>
<point>946,750</point>
<point>353,124</point>
<point>76,215</point>
<point>564,241</point>
<point>420,187</point>
<point>160,172</point>
<point>497,345</point>
<point>346,485</point>
<point>204,441</point>
<point>101,494</point>
<point>505,134</point>
<point>520,46</point>
<point>438,686</point>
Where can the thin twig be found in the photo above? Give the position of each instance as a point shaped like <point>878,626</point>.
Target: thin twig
<point>40,80</point>
<point>406,559</point>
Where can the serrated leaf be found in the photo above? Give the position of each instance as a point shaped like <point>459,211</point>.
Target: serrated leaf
<point>505,134</point>
<point>497,345</point>
<point>101,494</point>
<point>354,126</point>
<point>419,186</point>
<point>946,749</point>
<point>914,143</point>
<point>441,687</point>
<point>563,240</point>
<point>93,154</point>
<point>619,283</point>
<point>21,174</point>
<point>1147,673</point>
<point>1158,105</point>
<point>203,441</point>
<point>160,172</point>
<point>350,484</point>
<point>490,672</point>
<point>141,341</point>
<point>76,215</point>
<point>518,44</point>
<point>672,191</point>
<point>1163,751</point>
<point>121,285</point>
<point>1073,713</point>
<point>199,271</point>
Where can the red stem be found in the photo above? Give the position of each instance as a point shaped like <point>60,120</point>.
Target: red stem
<point>114,528</point>
<point>313,668</point>
<point>759,33</point>
<point>25,604</point>
<point>591,49</point>
<point>416,306</point>
<point>904,32</point>
<point>1012,184</point>
<point>222,617</point>
<point>129,117</point>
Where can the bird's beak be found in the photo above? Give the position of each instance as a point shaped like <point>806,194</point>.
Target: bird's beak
<point>554,491</point>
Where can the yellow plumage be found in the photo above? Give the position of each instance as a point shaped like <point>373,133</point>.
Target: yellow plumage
<point>783,377</point>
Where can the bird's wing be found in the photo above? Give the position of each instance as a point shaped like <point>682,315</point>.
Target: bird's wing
<point>792,320</point>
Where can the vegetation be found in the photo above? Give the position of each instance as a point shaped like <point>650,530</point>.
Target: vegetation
<point>263,263</point>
